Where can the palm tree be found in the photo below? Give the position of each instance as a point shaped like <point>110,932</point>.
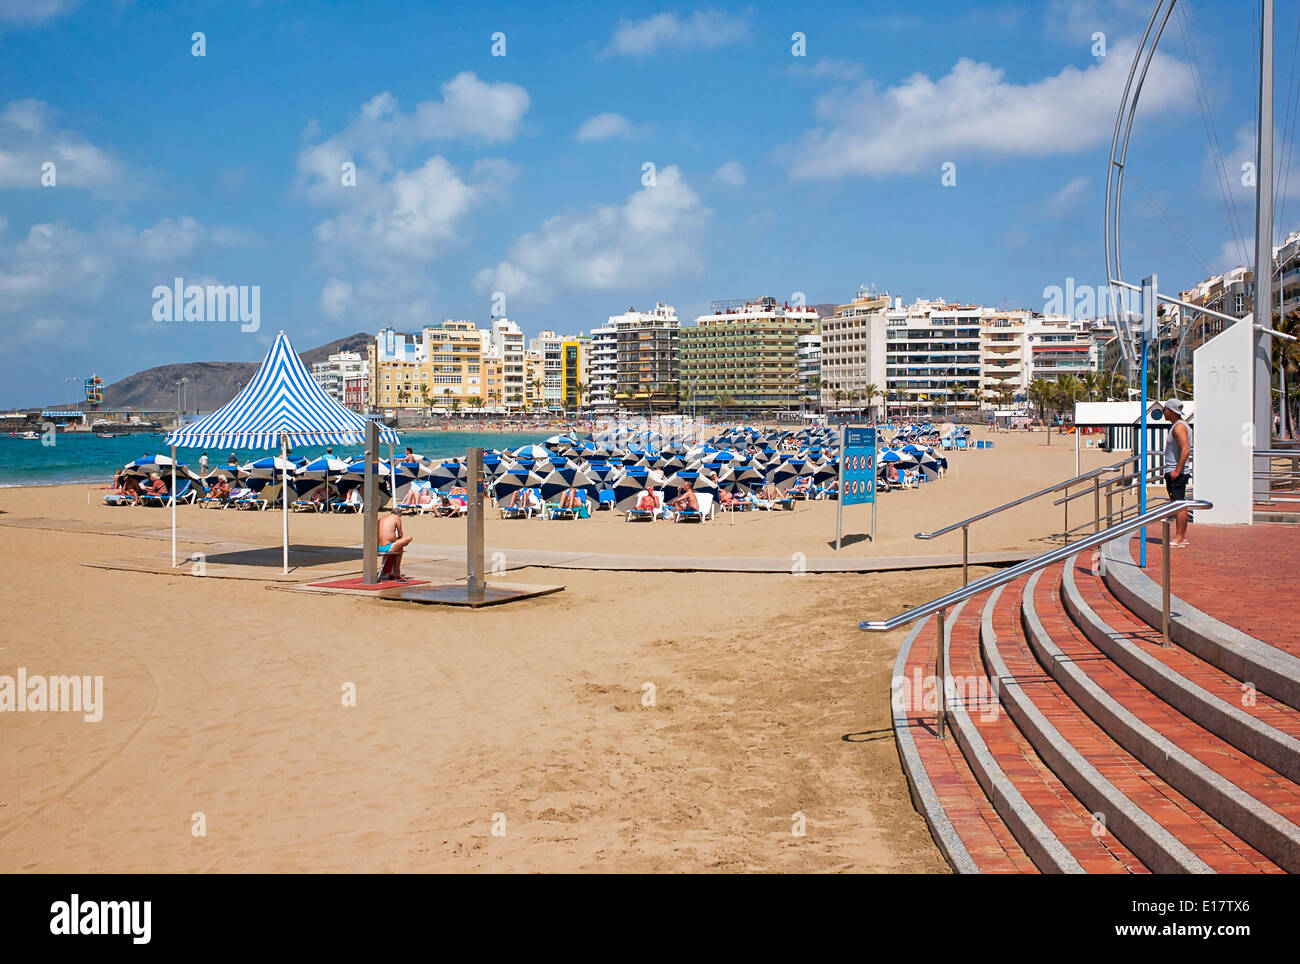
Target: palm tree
<point>871,391</point>
<point>1286,359</point>
<point>1089,381</point>
<point>723,401</point>
<point>424,399</point>
<point>455,406</point>
<point>1040,393</point>
<point>581,389</point>
<point>474,401</point>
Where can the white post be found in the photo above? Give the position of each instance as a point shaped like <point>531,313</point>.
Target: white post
<point>1077,470</point>
<point>284,496</point>
<point>173,506</point>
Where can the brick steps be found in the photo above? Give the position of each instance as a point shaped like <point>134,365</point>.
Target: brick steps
<point>963,822</point>
<point>1253,722</point>
<point>1241,793</point>
<point>1046,818</point>
<point>1168,832</point>
<point>1078,743</point>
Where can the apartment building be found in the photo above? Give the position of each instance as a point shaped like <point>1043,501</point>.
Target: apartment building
<point>808,351</point>
<point>853,352</point>
<point>647,366</point>
<point>932,357</point>
<point>744,356</point>
<point>1059,346</point>
<point>435,368</point>
<point>575,372</point>
<point>603,366</point>
<point>332,373</point>
<point>551,347</point>
<point>508,345</point>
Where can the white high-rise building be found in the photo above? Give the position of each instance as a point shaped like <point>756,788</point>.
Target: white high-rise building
<point>603,377</point>
<point>508,342</point>
<point>332,373</point>
<point>551,347</point>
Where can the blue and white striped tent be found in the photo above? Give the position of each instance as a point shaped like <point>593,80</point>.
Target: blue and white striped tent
<point>281,406</point>
<point>282,399</point>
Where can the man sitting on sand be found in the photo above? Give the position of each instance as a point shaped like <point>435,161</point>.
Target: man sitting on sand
<point>393,543</point>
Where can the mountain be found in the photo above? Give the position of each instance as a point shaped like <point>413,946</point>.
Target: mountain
<point>210,384</point>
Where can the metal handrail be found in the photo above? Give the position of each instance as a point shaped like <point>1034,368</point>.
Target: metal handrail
<point>941,605</point>
<point>1154,472</point>
<point>965,524</point>
<point>1026,498</point>
<point>993,580</point>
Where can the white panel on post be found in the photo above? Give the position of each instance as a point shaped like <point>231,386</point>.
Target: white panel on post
<point>1223,437</point>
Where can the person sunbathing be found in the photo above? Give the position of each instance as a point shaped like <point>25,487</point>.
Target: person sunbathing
<point>726,499</point>
<point>445,508</point>
<point>803,486</point>
<point>570,500</point>
<point>687,499</point>
<point>155,486</point>
<point>647,501</point>
<point>220,489</point>
<point>317,493</point>
<point>392,544</point>
<point>770,493</point>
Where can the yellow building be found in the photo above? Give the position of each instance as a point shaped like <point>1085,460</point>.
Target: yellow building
<point>441,367</point>
<point>573,363</point>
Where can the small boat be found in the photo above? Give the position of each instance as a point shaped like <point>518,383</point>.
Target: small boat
<point>29,435</point>
<point>105,435</point>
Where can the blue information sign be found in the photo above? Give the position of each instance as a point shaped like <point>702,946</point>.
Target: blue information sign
<point>858,465</point>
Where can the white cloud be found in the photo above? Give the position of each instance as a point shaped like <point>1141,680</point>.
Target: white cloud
<point>32,12</point>
<point>407,207</point>
<point>29,138</point>
<point>1065,200</point>
<point>650,239</point>
<point>704,29</point>
<point>604,126</point>
<point>973,111</point>
<point>334,297</point>
<point>733,173</point>
<point>828,68</point>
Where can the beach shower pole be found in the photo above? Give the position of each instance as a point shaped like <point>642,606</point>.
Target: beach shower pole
<point>370,514</point>
<point>475,583</point>
<point>173,506</point>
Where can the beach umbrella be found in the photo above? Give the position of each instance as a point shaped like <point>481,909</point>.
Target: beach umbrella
<point>560,480</point>
<point>535,452</point>
<point>629,486</point>
<point>601,472</point>
<point>445,475</point>
<point>512,481</point>
<point>162,464</point>
<point>747,477</point>
<point>783,475</point>
<point>312,474</point>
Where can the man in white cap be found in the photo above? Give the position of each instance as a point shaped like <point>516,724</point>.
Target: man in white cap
<point>1178,465</point>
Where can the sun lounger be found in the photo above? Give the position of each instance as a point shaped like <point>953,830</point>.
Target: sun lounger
<point>523,511</point>
<point>351,503</point>
<point>555,511</point>
<point>648,515</point>
<point>183,494</point>
<point>118,498</point>
<point>268,497</point>
<point>605,499</point>
<point>705,511</point>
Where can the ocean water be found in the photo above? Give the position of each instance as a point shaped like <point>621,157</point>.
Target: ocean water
<point>83,457</point>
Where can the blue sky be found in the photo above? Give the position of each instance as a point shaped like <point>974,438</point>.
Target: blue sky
<point>523,173</point>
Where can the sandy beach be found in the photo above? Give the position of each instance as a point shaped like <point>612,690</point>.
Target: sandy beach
<point>224,697</point>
